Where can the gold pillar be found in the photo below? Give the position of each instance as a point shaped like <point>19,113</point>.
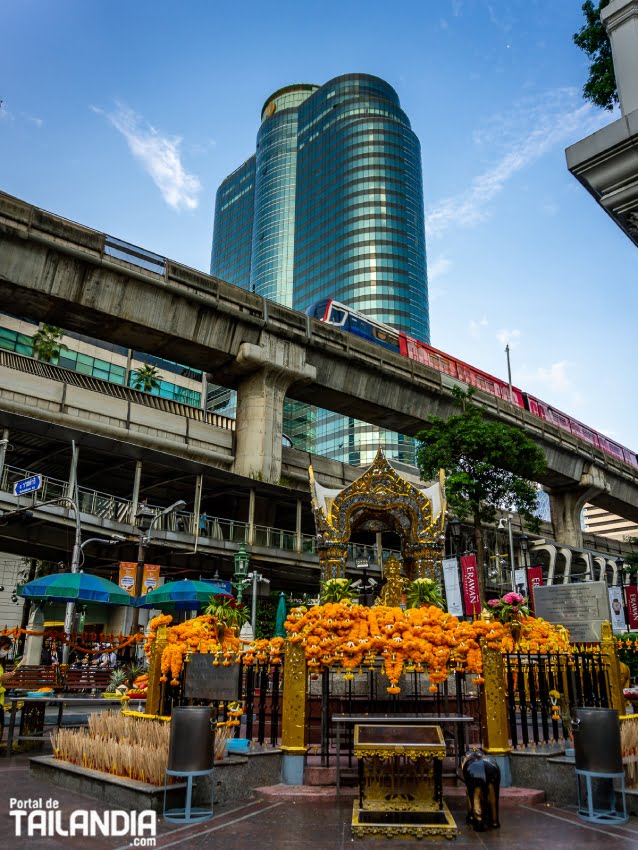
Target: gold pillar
<point>332,560</point>
<point>155,671</point>
<point>295,702</point>
<point>610,660</point>
<point>494,703</point>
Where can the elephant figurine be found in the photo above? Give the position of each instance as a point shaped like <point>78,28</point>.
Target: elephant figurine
<point>482,778</point>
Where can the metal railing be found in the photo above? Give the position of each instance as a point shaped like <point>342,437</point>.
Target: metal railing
<point>117,509</point>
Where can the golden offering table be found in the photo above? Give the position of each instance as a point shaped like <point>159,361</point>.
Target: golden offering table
<point>400,782</point>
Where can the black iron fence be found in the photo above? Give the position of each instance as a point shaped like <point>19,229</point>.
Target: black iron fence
<point>543,688</point>
<point>260,692</point>
<point>366,693</point>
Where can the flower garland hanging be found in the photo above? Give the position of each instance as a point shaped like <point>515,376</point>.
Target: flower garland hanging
<point>424,639</point>
<point>207,635</point>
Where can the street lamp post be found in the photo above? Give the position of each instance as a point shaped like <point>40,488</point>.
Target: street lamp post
<point>145,519</point>
<point>256,579</point>
<point>240,575</point>
<point>455,534</point>
<point>501,525</point>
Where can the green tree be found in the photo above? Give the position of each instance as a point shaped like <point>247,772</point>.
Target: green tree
<point>146,378</point>
<point>489,468</point>
<point>600,87</point>
<point>47,343</point>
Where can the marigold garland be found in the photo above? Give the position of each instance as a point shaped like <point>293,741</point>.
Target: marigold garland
<point>206,635</point>
<point>422,639</point>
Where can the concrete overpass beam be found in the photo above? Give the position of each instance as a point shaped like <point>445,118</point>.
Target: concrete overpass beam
<point>272,368</point>
<point>566,504</point>
<point>620,19</point>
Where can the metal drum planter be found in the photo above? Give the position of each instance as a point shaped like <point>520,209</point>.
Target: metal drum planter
<point>191,747</point>
<point>599,762</point>
<point>190,754</point>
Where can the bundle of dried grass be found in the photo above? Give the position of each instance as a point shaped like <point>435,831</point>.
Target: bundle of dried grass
<point>629,748</point>
<point>223,732</point>
<point>113,743</point>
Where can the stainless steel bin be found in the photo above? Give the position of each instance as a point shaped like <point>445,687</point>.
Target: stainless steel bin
<point>191,746</point>
<point>597,740</point>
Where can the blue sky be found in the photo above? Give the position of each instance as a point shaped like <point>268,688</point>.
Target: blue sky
<point>126,116</point>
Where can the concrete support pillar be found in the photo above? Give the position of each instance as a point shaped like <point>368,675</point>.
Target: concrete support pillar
<point>567,569</point>
<point>620,19</point>
<point>298,541</point>
<point>251,517</point>
<point>73,474</point>
<point>271,368</point>
<point>135,499</point>
<point>197,505</point>
<point>379,548</point>
<point>567,504</point>
<point>33,644</point>
<point>4,442</point>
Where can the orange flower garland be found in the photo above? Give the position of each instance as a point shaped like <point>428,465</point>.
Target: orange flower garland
<point>203,635</point>
<point>346,635</point>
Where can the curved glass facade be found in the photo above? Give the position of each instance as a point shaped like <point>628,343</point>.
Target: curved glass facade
<point>337,212</point>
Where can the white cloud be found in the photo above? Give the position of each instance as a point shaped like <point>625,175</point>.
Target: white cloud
<point>475,326</point>
<point>34,120</point>
<point>438,267</point>
<point>556,381</point>
<point>522,136</point>
<point>159,156</point>
<point>507,337</point>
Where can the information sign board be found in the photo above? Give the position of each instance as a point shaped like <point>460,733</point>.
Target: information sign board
<point>205,680</point>
<point>581,608</point>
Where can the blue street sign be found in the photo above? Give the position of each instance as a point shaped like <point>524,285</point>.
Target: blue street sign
<point>27,485</point>
<point>218,586</point>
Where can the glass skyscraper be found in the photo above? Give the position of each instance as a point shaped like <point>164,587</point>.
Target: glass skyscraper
<point>331,205</point>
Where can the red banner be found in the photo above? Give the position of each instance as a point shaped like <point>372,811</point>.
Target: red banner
<point>534,579</point>
<point>471,595</point>
<point>631,596</point>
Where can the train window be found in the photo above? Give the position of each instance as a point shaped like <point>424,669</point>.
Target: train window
<point>337,316</point>
<point>384,336</point>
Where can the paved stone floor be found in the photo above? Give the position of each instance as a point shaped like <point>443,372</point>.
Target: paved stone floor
<point>300,824</point>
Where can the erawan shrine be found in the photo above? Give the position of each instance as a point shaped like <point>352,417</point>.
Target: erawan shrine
<point>374,689</point>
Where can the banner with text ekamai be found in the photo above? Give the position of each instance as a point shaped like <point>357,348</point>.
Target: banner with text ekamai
<point>471,594</point>
<point>128,571</point>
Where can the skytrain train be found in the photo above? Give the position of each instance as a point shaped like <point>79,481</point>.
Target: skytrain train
<point>339,315</point>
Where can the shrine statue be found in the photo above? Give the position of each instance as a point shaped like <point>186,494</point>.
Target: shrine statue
<point>395,585</point>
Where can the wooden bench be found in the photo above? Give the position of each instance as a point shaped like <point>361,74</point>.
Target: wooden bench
<point>81,679</point>
<point>32,678</point>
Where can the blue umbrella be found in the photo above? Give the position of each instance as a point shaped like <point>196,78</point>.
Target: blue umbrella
<point>75,587</point>
<point>185,595</point>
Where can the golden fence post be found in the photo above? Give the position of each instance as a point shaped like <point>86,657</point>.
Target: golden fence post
<point>294,711</point>
<point>616,696</point>
<point>155,671</point>
<point>494,703</point>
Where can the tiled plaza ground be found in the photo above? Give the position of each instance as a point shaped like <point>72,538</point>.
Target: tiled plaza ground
<point>308,825</point>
